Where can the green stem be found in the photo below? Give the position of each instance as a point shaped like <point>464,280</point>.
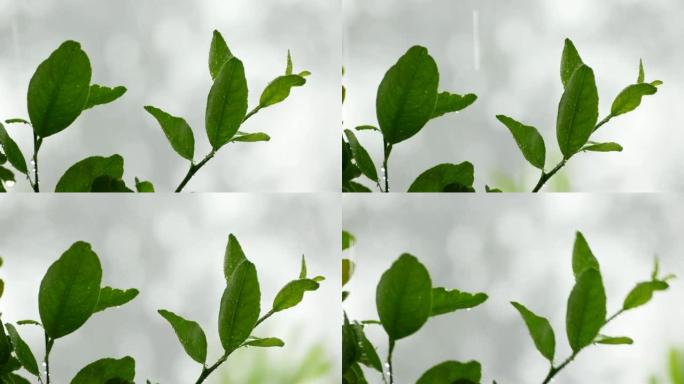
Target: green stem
<point>546,176</point>
<point>264,317</point>
<point>385,170</point>
<point>48,347</point>
<point>37,142</point>
<point>389,361</point>
<point>602,122</point>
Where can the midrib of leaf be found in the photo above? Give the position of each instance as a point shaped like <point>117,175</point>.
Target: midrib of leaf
<point>574,112</point>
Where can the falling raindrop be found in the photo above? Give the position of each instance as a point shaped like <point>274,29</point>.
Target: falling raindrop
<point>476,39</point>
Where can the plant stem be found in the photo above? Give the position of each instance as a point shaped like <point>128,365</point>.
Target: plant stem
<point>389,361</point>
<point>37,141</point>
<point>48,348</point>
<point>546,176</point>
<point>206,371</point>
<point>266,316</point>
<point>602,122</point>
<point>387,149</point>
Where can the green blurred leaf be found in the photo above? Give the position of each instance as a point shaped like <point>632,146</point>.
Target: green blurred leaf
<point>177,131</point>
<point>404,297</point>
<point>22,350</point>
<point>12,151</point>
<point>586,311</point>
<point>190,335</point>
<point>143,186</point>
<point>99,95</point>
<point>367,128</point>
<point>612,340</point>
<point>59,89</point>
<point>219,54</point>
<point>570,61</point>
<point>642,75</point>
<point>630,98</point>
<point>293,293</point>
<point>530,142</point>
<point>582,257</point>
<point>250,137</point>
<point>17,120</point>
<point>105,371</point>
<point>540,330</point>
<point>5,346</point>
<point>577,112</point>
<point>302,269</point>
<point>279,89</point>
<point>363,159</point>
<point>445,178</point>
<point>444,301</point>
<point>112,297</point>
<point>451,102</point>
<point>407,95</point>
<point>347,270</point>
<point>240,306</point>
<point>70,290</point>
<point>107,183</point>
<point>265,342</point>
<point>80,176</point>
<point>642,293</point>
<point>452,372</point>
<point>367,355</point>
<point>226,103</point>
<point>350,352</point>
<point>602,147</point>
<point>348,240</point>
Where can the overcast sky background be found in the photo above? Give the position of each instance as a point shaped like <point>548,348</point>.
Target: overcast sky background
<point>518,248</point>
<point>171,248</point>
<point>159,50</point>
<point>508,53</point>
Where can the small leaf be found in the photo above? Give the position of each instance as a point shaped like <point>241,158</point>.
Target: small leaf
<point>610,340</point>
<point>444,301</point>
<point>22,350</point>
<point>367,128</point>
<point>29,322</point>
<point>404,297</point>
<point>367,355</point>
<point>363,159</point>
<point>177,131</point>
<point>347,270</point>
<point>451,102</point>
<point>577,111</point>
<point>218,54</point>
<point>407,95</point>
<point>641,77</point>
<point>265,342</point>
<point>445,178</point>
<point>288,68</point>
<point>293,293</point>
<point>12,151</point>
<point>570,61</point>
<point>302,269</point>
<point>603,147</point>
<point>452,372</point>
<point>109,184</point>
<point>240,306</point>
<point>642,293</point>
<point>112,297</point>
<point>107,371</point>
<point>586,311</point>
<point>250,137</point>
<point>348,240</point>
<point>143,186</point>
<point>17,120</point>
<point>530,142</point>
<point>80,176</point>
<point>99,95</point>
<point>190,335</point>
<point>279,89</point>
<point>233,257</point>
<point>226,103</point>
<point>59,89</point>
<point>6,175</point>
<point>630,98</point>
<point>582,257</point>
<point>489,189</point>
<point>540,330</point>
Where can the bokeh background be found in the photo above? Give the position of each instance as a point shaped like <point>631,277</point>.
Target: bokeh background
<point>159,50</point>
<point>508,53</point>
<point>171,248</point>
<point>517,248</point>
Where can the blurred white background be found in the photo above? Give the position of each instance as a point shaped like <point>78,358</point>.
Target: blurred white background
<point>159,49</point>
<point>171,248</point>
<point>508,53</point>
<point>519,248</point>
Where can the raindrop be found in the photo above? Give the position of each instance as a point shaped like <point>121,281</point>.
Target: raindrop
<point>476,39</point>
<point>9,183</point>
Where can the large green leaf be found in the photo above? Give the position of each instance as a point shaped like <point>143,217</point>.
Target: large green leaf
<point>577,111</point>
<point>70,290</point>
<point>540,330</point>
<point>452,372</point>
<point>363,159</point>
<point>105,371</point>
<point>177,131</point>
<point>293,293</point>
<point>444,301</point>
<point>12,151</point>
<point>279,89</point>
<point>240,306</point>
<point>582,257</point>
<point>407,95</point>
<point>59,89</point>
<point>451,102</point>
<point>112,297</point>
<point>22,350</point>
<point>445,178</point>
<point>570,61</point>
<point>226,103</point>
<point>233,257</point>
<point>404,297</point>
<point>81,176</point>
<point>530,142</point>
<point>586,311</point>
<point>219,54</point>
<point>190,335</point>
<point>630,98</point>
<point>99,95</point>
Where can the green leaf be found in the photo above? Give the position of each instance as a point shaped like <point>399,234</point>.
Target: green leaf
<point>407,95</point>
<point>354,375</point>
<point>219,54</point>
<point>489,189</point>
<point>16,379</point>
<point>143,186</point>
<point>577,111</point>
<point>641,77</point>
<point>70,290</point>
<point>109,184</point>
<point>112,297</point>
<point>676,368</point>
<point>250,137</point>
<point>29,322</point>
<point>302,269</point>
<point>240,306</point>
<point>586,311</point>
<point>5,346</point>
<point>105,371</point>
<point>99,95</point>
<point>350,351</point>
<point>12,151</point>
<point>445,178</point>
<point>279,89</point>
<point>177,131</point>
<point>642,293</point>
<point>582,257</point>
<point>367,128</point>
<point>80,176</point>
<point>530,142</point>
<point>265,342</point>
<point>233,257</point>
<point>451,102</point>
<point>363,159</point>
<point>452,372</point>
<point>293,293</point>
<point>602,147</point>
<point>630,98</point>
<point>17,120</point>
<point>611,340</point>
<point>444,301</point>
<point>288,67</point>
<point>540,330</point>
<point>404,297</point>
<point>348,240</point>
<point>226,103</point>
<point>347,271</point>
<point>570,61</point>
<point>59,89</point>
<point>367,355</point>
<point>357,187</point>
<point>22,350</point>
<point>6,174</point>
<point>190,335</point>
